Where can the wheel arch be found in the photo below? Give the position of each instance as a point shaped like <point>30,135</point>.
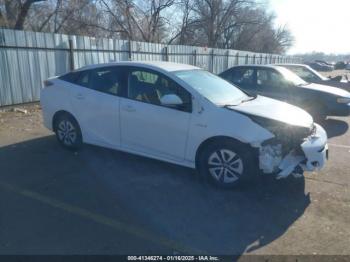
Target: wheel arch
<point>60,113</point>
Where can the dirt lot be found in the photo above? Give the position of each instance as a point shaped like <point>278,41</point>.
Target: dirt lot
<point>100,201</point>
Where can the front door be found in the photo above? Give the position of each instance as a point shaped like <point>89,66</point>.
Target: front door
<point>271,83</point>
<point>149,127</point>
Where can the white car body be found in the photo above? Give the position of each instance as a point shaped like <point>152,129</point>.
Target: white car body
<point>174,136</point>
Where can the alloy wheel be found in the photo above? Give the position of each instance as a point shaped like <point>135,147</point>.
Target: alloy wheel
<point>225,166</point>
<point>66,132</point>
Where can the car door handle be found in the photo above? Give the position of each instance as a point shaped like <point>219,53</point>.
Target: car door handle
<point>129,108</point>
<point>79,96</point>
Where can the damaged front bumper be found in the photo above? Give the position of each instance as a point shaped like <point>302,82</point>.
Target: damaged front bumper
<point>312,155</point>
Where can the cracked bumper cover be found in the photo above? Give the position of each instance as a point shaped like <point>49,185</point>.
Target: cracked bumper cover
<point>313,156</point>
<point>315,150</point>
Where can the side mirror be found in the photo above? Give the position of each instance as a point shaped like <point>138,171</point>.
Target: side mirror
<point>171,100</point>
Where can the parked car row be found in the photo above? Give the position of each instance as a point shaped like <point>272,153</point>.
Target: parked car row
<point>230,131</point>
<point>321,66</point>
<point>310,75</point>
<point>282,84</point>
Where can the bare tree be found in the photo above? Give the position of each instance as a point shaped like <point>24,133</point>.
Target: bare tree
<point>184,32</point>
<point>2,18</point>
<point>16,12</point>
<point>138,20</point>
<point>235,24</point>
<point>283,38</point>
<point>215,17</point>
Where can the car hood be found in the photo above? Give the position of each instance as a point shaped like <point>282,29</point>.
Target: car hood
<point>276,110</point>
<point>327,89</point>
<point>343,85</point>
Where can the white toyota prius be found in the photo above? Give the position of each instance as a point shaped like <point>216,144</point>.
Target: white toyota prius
<point>184,115</point>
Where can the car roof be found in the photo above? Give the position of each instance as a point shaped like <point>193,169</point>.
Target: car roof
<point>165,66</point>
<point>303,65</point>
<point>254,66</point>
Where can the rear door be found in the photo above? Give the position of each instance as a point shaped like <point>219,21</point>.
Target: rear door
<point>96,104</point>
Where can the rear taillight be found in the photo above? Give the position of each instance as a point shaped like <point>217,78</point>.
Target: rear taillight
<point>47,83</point>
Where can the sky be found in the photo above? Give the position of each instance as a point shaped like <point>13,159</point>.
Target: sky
<point>317,25</point>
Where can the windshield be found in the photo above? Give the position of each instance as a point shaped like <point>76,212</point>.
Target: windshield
<point>212,87</point>
<point>291,77</point>
<point>317,73</point>
<point>306,73</point>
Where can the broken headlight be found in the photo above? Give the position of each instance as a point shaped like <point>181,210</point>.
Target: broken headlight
<point>288,135</point>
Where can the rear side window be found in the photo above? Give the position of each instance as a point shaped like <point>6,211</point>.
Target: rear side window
<point>83,79</point>
<point>70,77</point>
<point>106,80</point>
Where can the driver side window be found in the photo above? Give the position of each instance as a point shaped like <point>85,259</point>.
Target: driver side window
<point>149,87</point>
<point>267,78</point>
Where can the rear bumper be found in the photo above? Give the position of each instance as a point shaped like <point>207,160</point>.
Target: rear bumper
<point>314,157</point>
<point>46,114</point>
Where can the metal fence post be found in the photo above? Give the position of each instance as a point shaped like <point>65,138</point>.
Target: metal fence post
<point>194,55</point>
<point>166,53</point>
<point>130,50</point>
<point>246,59</point>
<point>212,61</point>
<point>71,55</point>
<point>237,58</point>
<point>227,58</point>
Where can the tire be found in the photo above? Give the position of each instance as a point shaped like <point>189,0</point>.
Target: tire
<point>68,132</point>
<point>227,163</point>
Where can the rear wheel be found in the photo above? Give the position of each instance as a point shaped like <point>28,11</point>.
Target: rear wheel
<point>227,163</point>
<point>68,132</point>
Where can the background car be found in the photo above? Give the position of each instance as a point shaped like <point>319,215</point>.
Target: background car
<point>183,115</point>
<point>280,83</point>
<point>339,65</point>
<point>320,66</point>
<point>309,75</point>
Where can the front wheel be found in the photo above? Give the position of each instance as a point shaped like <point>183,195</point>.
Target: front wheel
<point>227,164</point>
<point>68,132</point>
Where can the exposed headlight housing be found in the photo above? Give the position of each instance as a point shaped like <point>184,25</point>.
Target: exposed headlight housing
<point>343,100</point>
<point>288,135</point>
<point>282,129</point>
